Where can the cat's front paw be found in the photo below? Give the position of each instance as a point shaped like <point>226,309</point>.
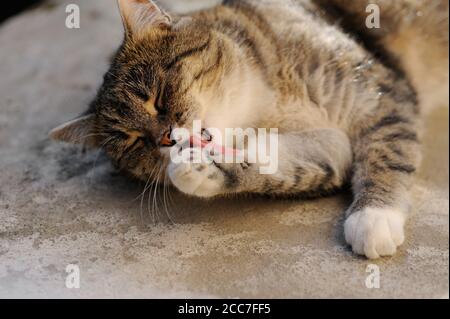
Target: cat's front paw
<point>197,179</point>
<point>375,232</point>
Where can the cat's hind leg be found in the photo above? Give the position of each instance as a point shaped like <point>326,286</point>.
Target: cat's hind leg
<point>386,155</point>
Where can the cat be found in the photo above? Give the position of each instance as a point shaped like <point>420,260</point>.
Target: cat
<point>344,113</point>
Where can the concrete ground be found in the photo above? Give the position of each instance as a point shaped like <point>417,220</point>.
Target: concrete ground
<point>60,206</point>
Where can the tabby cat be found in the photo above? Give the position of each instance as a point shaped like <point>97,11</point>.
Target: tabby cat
<point>341,96</point>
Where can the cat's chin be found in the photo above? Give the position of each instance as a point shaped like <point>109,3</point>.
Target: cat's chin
<point>202,180</point>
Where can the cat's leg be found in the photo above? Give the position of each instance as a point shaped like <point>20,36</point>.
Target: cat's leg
<point>312,162</point>
<point>386,154</point>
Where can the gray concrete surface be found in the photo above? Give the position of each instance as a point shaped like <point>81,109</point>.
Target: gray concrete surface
<point>60,206</point>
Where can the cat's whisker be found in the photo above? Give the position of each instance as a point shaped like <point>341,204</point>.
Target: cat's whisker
<point>166,204</point>
<point>146,187</point>
<point>155,195</point>
<point>150,196</point>
<point>149,210</point>
<point>150,200</point>
<point>170,192</point>
<point>142,196</point>
<point>141,213</point>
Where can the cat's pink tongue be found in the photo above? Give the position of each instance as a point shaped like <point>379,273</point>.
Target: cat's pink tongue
<point>197,141</point>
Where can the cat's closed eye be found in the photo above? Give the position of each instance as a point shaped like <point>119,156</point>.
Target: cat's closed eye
<point>150,107</point>
<point>159,103</point>
<point>134,140</point>
<point>154,105</point>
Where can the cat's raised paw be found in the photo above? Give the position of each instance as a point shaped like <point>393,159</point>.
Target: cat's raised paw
<point>197,179</point>
<point>375,232</point>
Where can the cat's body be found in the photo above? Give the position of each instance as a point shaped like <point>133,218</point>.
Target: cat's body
<point>341,114</point>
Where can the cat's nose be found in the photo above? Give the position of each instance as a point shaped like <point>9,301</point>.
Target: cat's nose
<point>166,140</point>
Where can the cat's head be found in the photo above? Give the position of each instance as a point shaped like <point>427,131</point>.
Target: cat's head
<point>154,85</point>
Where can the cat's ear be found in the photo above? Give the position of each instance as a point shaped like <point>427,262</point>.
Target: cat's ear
<point>77,131</point>
<point>139,16</point>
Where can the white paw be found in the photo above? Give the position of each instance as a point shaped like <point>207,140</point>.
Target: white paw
<point>202,180</point>
<point>375,232</point>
